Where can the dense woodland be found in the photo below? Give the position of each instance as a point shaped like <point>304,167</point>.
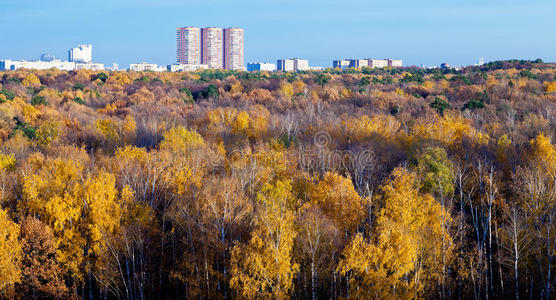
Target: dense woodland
<point>372,183</point>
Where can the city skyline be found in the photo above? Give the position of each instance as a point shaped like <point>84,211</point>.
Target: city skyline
<point>427,33</point>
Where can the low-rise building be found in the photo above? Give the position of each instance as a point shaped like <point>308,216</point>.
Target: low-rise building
<point>36,65</point>
<point>378,63</point>
<point>291,65</point>
<point>394,62</point>
<point>141,67</point>
<point>89,66</point>
<point>257,66</point>
<point>341,63</point>
<point>186,67</point>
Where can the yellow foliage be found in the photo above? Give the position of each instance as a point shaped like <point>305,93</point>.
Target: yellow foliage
<point>550,87</point>
<point>108,109</point>
<point>241,123</point>
<point>179,139</point>
<point>429,85</point>
<point>47,132</point>
<point>236,88</point>
<point>264,267</point>
<point>108,129</point>
<point>450,130</point>
<point>544,154</point>
<point>337,198</point>
<point>10,253</point>
<point>364,127</point>
<point>31,81</point>
<point>286,89</point>
<point>299,87</point>
<point>411,241</point>
<point>7,161</point>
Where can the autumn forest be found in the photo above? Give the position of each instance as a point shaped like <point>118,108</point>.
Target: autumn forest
<point>403,183</point>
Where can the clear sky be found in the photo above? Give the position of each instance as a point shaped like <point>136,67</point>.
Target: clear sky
<point>419,32</point>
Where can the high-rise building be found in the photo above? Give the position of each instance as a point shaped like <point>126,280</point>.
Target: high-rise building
<point>81,53</point>
<point>212,47</point>
<point>233,48</point>
<point>188,45</point>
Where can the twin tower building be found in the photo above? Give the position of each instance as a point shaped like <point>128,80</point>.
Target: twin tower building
<point>215,47</point>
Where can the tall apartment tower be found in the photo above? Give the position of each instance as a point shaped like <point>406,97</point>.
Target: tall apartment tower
<point>81,53</point>
<point>233,49</point>
<point>189,46</point>
<point>212,47</point>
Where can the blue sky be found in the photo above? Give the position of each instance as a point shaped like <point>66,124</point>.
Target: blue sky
<point>419,32</point>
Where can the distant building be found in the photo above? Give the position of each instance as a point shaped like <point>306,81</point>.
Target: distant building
<point>186,67</point>
<point>81,53</point>
<point>212,51</point>
<point>234,49</point>
<point>378,63</point>
<point>394,62</point>
<point>444,66</point>
<point>257,66</point>
<point>358,63</point>
<point>89,66</point>
<point>188,45</point>
<point>36,65</point>
<point>47,57</point>
<point>114,67</point>
<point>371,63</point>
<point>292,65</point>
<point>141,67</point>
<point>341,63</point>
<point>215,47</point>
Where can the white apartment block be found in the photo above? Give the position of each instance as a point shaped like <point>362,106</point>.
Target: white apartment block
<point>394,62</point>
<point>186,67</point>
<point>89,66</point>
<point>234,49</point>
<point>257,66</point>
<point>291,65</point>
<point>378,63</point>
<point>212,47</point>
<point>36,65</point>
<point>188,45</point>
<point>81,53</point>
<point>141,67</point>
<point>341,63</point>
<point>371,63</point>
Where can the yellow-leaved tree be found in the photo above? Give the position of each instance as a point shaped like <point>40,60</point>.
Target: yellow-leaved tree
<point>10,254</point>
<point>338,200</point>
<point>81,209</point>
<point>263,268</point>
<point>403,255</point>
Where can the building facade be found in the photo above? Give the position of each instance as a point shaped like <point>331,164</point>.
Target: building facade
<point>341,63</point>
<point>89,66</point>
<point>394,62</point>
<point>186,67</point>
<point>215,47</point>
<point>188,45</point>
<point>141,67</point>
<point>292,65</point>
<point>212,51</point>
<point>257,66</point>
<point>81,53</point>
<point>378,63</point>
<point>36,65</point>
<point>234,49</point>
